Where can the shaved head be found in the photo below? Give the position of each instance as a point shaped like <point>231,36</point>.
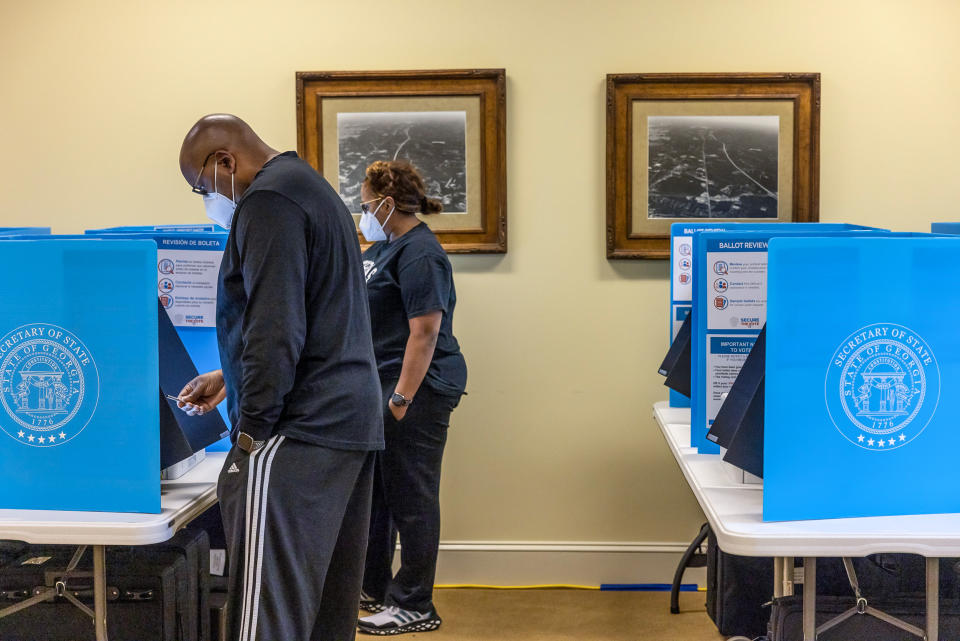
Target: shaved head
<point>230,143</point>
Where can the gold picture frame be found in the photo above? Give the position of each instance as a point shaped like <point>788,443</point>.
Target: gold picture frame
<point>450,123</point>
<point>757,133</point>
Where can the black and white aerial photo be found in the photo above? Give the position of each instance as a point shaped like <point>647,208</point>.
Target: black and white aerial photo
<point>713,166</point>
<point>434,141</point>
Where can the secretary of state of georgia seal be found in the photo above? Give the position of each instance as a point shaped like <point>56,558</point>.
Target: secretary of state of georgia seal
<point>49,385</point>
<point>882,386</point>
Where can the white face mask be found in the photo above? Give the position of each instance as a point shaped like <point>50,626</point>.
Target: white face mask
<point>219,208</point>
<point>370,227</point>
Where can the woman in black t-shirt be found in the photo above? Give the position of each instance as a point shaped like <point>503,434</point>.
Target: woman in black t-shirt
<point>423,374</point>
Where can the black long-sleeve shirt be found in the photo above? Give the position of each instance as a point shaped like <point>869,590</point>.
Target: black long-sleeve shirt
<point>293,325</point>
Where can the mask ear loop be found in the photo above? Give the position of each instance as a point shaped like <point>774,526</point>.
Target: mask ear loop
<point>383,199</point>
<point>384,223</point>
<point>233,190</point>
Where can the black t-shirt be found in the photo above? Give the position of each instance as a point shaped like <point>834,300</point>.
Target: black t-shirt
<point>406,278</point>
<point>292,319</point>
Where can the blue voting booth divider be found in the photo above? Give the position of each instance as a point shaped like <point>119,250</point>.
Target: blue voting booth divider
<point>681,284</point>
<point>79,376</point>
<point>681,275</point>
<point>188,257</point>
<point>863,357</point>
<point>729,308</point>
<point>682,262</point>
<point>147,229</point>
<point>24,231</point>
<point>682,268</point>
<point>945,228</point>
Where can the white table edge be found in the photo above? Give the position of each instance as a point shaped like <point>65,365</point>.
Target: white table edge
<point>116,528</point>
<point>777,544</point>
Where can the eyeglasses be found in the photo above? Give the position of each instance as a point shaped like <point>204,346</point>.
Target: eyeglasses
<point>364,206</point>
<point>196,188</point>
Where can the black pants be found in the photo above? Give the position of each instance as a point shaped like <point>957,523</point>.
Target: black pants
<point>406,500</point>
<point>296,518</point>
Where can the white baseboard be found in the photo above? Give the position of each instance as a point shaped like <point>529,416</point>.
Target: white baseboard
<point>565,562</point>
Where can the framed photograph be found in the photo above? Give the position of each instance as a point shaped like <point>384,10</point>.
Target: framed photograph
<point>450,124</point>
<point>700,147</point>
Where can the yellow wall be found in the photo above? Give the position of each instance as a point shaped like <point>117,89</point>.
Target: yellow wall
<point>555,441</point>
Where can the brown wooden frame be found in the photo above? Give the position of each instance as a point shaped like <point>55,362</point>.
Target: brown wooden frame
<point>488,84</point>
<point>803,89</point>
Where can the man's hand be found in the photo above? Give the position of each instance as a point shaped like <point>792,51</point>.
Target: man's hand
<point>202,394</point>
<point>398,412</point>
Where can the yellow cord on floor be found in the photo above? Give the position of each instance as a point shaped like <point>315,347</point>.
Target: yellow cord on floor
<point>557,586</point>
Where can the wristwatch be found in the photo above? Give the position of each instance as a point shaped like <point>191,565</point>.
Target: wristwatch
<point>246,443</point>
<point>400,400</point>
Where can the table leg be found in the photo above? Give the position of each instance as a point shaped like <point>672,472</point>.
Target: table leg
<point>777,577</point>
<point>788,576</point>
<point>100,592</point>
<point>933,599</point>
<point>809,598</point>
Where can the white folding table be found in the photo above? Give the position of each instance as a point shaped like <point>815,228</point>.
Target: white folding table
<point>181,501</point>
<point>735,513</point>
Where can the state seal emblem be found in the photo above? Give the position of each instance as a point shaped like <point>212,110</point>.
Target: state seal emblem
<point>49,385</point>
<point>882,386</point>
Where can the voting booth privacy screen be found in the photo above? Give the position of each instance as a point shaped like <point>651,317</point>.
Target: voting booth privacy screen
<point>79,376</point>
<point>945,228</point>
<point>24,231</point>
<point>863,364</point>
<point>683,263</point>
<point>729,309</point>
<point>188,265</point>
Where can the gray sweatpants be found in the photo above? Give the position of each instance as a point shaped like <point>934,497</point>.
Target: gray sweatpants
<point>296,517</point>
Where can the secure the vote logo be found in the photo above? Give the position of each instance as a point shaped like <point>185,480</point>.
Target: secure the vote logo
<point>49,385</point>
<point>882,386</point>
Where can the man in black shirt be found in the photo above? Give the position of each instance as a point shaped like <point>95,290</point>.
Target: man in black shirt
<point>300,381</point>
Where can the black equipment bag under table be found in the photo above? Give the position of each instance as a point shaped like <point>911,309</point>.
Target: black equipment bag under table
<point>194,545</point>
<point>143,591</point>
<point>786,618</point>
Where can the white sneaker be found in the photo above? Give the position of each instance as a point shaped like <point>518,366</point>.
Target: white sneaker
<point>369,604</point>
<point>394,620</point>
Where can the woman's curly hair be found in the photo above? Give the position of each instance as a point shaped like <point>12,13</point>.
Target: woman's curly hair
<point>403,182</point>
